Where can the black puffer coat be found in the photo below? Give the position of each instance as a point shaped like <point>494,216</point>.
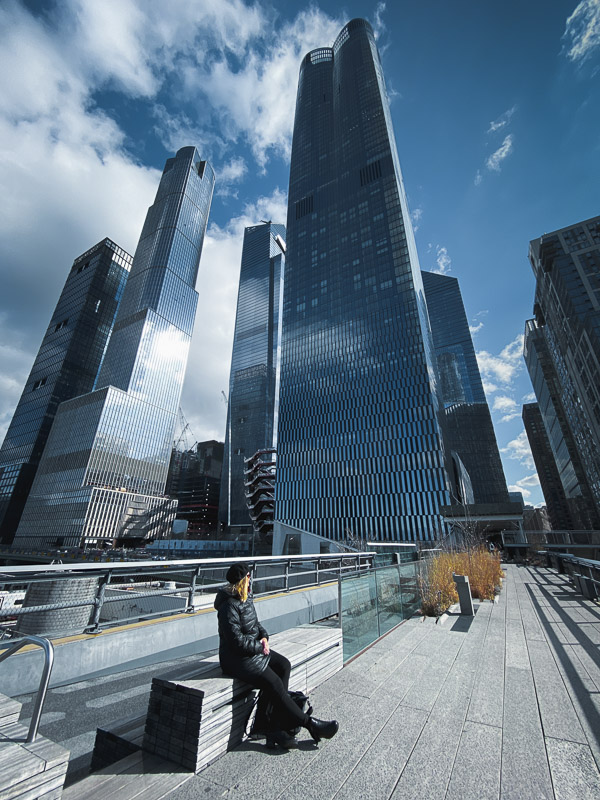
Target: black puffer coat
<point>240,632</point>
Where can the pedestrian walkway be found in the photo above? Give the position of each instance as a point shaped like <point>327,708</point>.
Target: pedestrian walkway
<point>501,705</point>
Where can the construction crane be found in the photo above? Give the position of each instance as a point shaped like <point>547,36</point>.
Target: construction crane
<point>224,397</point>
<point>185,430</point>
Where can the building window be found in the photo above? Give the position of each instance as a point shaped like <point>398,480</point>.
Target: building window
<point>39,383</point>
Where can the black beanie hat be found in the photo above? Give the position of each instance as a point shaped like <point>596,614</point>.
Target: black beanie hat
<point>236,572</point>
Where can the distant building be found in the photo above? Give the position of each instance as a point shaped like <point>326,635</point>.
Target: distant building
<point>557,505</point>
<point>469,432</point>
<point>562,352</point>
<point>253,382</point>
<point>102,476</point>
<point>66,366</point>
<point>194,480</point>
<point>359,450</point>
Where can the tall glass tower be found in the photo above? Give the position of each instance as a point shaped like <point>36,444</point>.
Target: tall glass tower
<point>468,428</point>
<point>66,365</point>
<point>103,473</point>
<point>359,446</point>
<point>253,381</point>
<point>562,353</point>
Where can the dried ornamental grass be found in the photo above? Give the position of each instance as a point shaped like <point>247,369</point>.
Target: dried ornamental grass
<point>438,591</point>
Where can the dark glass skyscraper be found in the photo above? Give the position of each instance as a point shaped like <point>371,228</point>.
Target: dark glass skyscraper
<point>552,488</point>
<point>468,424</point>
<point>104,469</point>
<point>359,448</point>
<point>66,366</point>
<point>562,352</point>
<point>253,381</point>
<point>194,480</point>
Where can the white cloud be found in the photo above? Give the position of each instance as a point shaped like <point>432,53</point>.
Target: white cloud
<point>473,329</point>
<point>529,398</point>
<point>257,99</point>
<point>489,387</point>
<point>233,171</point>
<point>503,367</point>
<point>529,480</point>
<point>502,120</point>
<point>415,217</point>
<point>516,488</point>
<point>509,417</point>
<point>210,352</point>
<point>582,29</point>
<point>503,403</point>
<point>518,449</point>
<point>443,261</point>
<point>507,406</point>
<point>478,178</point>
<point>495,160</point>
<point>15,363</point>
<point>378,23</point>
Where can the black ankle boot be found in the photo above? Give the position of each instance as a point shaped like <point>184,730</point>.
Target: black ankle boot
<point>319,729</point>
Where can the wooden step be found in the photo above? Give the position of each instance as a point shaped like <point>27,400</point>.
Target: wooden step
<point>30,771</point>
<point>122,738</point>
<point>9,710</point>
<point>140,776</point>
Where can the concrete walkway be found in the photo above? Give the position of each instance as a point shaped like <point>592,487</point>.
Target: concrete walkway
<point>502,705</point>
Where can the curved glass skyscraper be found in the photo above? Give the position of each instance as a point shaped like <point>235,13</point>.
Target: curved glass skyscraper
<point>104,469</point>
<point>359,443</point>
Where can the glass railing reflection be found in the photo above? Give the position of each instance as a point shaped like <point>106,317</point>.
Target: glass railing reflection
<point>373,603</point>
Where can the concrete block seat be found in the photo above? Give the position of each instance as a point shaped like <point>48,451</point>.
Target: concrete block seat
<point>194,718</point>
<point>29,771</point>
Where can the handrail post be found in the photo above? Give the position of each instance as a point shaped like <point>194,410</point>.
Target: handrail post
<point>288,566</point>
<point>99,602</point>
<point>192,590</point>
<point>36,715</point>
<point>48,649</point>
<point>318,577</point>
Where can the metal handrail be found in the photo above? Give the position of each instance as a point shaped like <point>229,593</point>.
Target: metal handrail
<point>312,570</point>
<point>48,649</point>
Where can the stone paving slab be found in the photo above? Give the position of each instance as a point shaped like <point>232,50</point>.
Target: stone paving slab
<point>477,778</point>
<point>504,706</point>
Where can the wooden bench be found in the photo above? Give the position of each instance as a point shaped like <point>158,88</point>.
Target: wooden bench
<point>35,770</point>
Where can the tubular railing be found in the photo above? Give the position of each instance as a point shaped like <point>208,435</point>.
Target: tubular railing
<point>192,577</point>
<point>584,572</point>
<point>40,698</point>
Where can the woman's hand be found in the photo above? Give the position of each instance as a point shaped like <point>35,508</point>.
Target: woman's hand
<point>265,646</point>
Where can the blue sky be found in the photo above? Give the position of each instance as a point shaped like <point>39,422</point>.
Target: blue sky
<point>496,108</point>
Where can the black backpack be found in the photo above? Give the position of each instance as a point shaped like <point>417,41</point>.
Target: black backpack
<point>259,726</point>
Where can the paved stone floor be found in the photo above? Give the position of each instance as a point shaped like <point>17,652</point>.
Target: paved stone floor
<point>502,705</point>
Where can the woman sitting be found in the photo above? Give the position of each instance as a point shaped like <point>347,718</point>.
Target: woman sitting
<point>244,653</point>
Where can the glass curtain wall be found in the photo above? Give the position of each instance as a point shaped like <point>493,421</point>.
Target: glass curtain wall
<point>359,447</point>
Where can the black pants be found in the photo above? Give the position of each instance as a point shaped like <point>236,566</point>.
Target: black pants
<point>273,685</point>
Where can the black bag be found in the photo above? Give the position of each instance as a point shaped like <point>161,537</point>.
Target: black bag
<point>260,726</point>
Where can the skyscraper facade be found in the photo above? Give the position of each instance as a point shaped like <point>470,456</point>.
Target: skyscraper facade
<point>468,428</point>
<point>194,480</point>
<point>66,365</point>
<point>359,446</point>
<point>253,381</point>
<point>562,352</point>
<point>103,473</point>
<point>545,465</point>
